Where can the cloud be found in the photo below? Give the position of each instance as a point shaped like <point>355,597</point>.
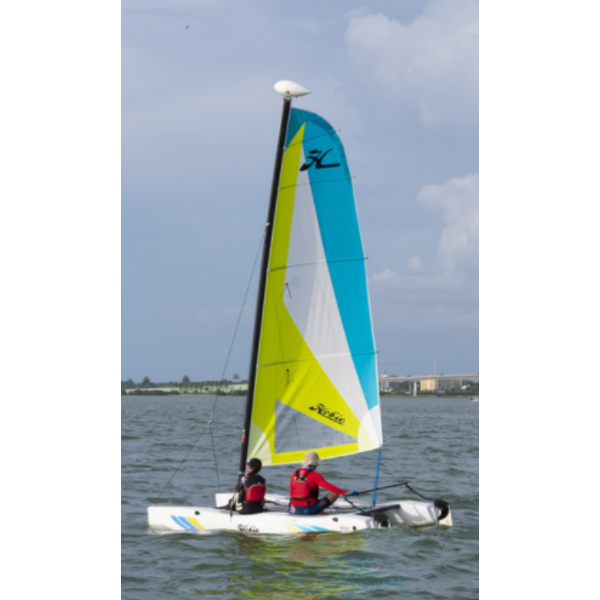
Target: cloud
<point>433,301</point>
<point>457,200</point>
<point>385,276</point>
<point>456,266</point>
<point>414,264</point>
<point>391,278</point>
<point>431,63</point>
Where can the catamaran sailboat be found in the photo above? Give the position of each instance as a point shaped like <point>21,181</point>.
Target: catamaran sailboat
<point>313,382</point>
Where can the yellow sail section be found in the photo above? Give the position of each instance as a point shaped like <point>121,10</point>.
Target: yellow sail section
<point>297,407</point>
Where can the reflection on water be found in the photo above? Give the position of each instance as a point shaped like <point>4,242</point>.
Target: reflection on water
<point>280,568</point>
<point>304,548</point>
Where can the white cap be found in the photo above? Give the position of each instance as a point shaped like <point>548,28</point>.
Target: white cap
<point>311,459</point>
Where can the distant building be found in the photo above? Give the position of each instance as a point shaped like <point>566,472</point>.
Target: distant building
<point>428,385</point>
<point>238,387</point>
<point>449,384</point>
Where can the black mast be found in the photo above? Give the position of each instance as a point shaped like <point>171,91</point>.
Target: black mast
<point>285,118</point>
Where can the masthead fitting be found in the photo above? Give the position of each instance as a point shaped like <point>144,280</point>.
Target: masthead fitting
<point>290,89</point>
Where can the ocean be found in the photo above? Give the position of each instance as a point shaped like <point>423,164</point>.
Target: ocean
<point>170,457</point>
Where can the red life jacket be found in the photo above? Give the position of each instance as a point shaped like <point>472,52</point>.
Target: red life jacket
<point>255,493</point>
<point>302,493</point>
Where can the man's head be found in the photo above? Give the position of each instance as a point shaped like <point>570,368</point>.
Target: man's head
<point>311,459</point>
<point>255,464</point>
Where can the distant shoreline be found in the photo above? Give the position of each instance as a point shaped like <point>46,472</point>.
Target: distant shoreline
<point>175,393</point>
<point>392,389</point>
<point>243,395</point>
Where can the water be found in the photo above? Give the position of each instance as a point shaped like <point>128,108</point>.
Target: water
<point>432,442</point>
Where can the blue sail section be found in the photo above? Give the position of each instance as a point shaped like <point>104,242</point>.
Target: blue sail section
<point>327,167</point>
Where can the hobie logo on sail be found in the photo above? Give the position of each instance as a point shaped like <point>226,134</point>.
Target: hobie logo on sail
<point>332,416</point>
<point>316,158</point>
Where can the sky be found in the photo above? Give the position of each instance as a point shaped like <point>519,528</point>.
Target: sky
<point>200,120</point>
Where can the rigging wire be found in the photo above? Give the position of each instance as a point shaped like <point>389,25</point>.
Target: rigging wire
<point>218,394</point>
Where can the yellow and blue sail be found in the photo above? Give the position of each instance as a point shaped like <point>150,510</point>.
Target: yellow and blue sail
<point>316,382</point>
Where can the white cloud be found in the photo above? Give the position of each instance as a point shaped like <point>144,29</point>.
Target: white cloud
<point>385,276</point>
<point>457,200</point>
<point>414,264</point>
<point>434,302</point>
<point>432,63</point>
<point>390,278</point>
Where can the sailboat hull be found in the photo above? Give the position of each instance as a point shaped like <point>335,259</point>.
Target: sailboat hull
<point>206,520</point>
<point>414,514</point>
<point>341,518</point>
<point>403,512</point>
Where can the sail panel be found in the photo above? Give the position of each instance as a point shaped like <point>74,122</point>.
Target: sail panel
<point>317,364</point>
<point>294,430</point>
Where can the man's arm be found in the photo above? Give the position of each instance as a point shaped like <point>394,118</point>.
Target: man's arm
<point>322,482</point>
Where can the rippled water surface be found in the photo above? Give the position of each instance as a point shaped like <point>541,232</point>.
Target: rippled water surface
<point>432,442</point>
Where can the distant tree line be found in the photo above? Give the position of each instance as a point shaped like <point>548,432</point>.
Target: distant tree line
<point>185,386</point>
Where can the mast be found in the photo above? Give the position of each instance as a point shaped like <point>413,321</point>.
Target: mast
<point>288,89</point>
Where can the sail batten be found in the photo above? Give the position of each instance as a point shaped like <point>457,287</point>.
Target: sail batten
<point>318,262</point>
<point>310,139</point>
<point>318,357</point>
<point>348,178</point>
<point>316,378</point>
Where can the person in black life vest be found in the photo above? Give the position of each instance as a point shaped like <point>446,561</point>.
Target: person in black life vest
<point>304,488</point>
<point>251,489</point>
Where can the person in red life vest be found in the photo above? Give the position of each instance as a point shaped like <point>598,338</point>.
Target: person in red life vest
<point>304,488</point>
<point>251,489</point>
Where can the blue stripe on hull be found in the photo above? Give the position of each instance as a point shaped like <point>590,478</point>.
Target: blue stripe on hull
<point>182,522</point>
<point>309,528</point>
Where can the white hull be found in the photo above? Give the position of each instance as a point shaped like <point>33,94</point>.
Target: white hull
<point>341,517</point>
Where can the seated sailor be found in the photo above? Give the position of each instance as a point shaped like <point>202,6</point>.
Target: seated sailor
<point>304,488</point>
<point>250,490</point>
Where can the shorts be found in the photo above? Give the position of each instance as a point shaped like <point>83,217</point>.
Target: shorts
<point>251,508</point>
<point>315,509</point>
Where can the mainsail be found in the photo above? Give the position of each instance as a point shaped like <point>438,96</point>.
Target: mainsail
<point>316,378</point>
